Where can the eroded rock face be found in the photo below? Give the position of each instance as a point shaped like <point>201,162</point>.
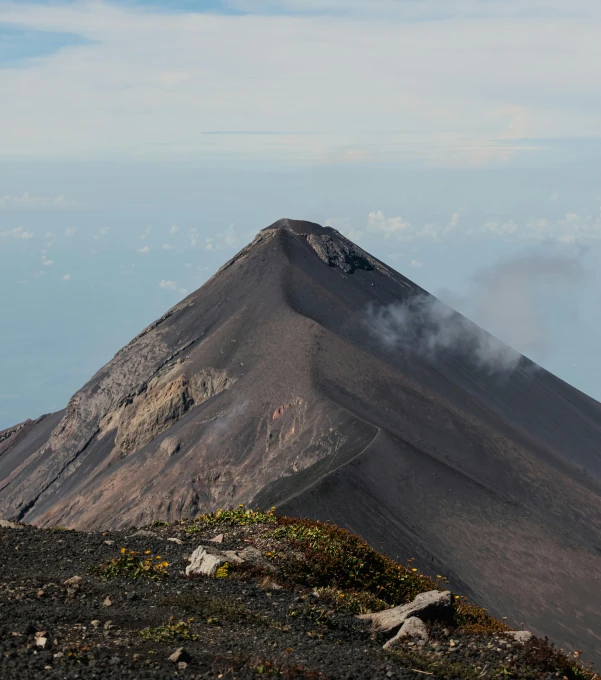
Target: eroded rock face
<point>163,403</point>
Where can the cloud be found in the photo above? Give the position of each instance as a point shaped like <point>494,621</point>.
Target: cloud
<point>18,233</point>
<point>26,200</point>
<point>193,236</point>
<point>416,263</point>
<point>378,222</point>
<point>144,250</point>
<point>167,246</point>
<point>429,328</point>
<point>102,232</point>
<point>69,231</point>
<point>227,238</point>
<point>173,230</point>
<point>145,233</point>
<point>475,89</point>
<point>167,285</point>
<point>517,299</point>
<point>571,228</point>
<point>47,263</point>
<point>66,277</point>
<point>172,286</point>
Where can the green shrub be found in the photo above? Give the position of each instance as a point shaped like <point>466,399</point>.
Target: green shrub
<point>131,564</point>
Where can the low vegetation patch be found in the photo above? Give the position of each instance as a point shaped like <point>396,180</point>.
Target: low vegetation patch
<point>235,517</point>
<point>132,564</point>
<point>174,631</point>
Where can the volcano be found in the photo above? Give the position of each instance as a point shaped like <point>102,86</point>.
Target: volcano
<point>304,375</point>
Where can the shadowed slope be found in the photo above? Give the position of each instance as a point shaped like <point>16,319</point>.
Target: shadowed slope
<point>271,385</point>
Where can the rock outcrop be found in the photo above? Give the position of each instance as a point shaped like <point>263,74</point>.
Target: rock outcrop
<point>432,603</point>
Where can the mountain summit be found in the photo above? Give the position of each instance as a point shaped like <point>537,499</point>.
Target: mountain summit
<point>309,375</point>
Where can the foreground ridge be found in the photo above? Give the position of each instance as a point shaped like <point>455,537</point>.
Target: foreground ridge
<point>277,597</point>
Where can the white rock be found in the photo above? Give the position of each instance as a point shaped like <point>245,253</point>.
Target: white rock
<point>176,540</point>
<point>413,627</point>
<point>205,563</point>
<point>41,642</point>
<point>217,539</point>
<point>519,635</point>
<point>424,603</point>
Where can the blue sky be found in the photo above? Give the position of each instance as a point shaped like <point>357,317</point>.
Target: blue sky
<point>142,144</point>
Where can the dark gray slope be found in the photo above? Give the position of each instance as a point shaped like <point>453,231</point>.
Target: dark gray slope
<point>268,386</point>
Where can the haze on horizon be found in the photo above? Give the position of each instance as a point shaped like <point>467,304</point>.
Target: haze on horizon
<point>144,143</point>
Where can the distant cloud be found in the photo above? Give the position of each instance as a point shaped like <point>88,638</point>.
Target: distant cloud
<point>193,236</point>
<point>174,229</point>
<point>172,286</point>
<point>166,246</point>
<point>145,249</point>
<point>228,238</point>
<point>66,277</point>
<point>167,285</point>
<point>416,263</point>
<point>102,232</point>
<point>454,220</point>
<point>69,231</point>
<point>481,116</point>
<point>26,200</point>
<point>145,233</point>
<point>18,233</point>
<point>46,262</point>
<point>388,226</point>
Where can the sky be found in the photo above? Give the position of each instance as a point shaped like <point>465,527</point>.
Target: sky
<point>143,143</point>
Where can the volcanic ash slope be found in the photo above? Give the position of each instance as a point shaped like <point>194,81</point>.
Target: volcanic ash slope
<point>308,375</point>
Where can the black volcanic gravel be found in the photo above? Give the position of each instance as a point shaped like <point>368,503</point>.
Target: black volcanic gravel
<point>244,630</point>
<point>33,598</point>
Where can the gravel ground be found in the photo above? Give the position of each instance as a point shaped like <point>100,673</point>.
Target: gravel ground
<point>235,627</point>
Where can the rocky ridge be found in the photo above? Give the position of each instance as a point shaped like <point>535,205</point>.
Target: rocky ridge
<point>242,594</point>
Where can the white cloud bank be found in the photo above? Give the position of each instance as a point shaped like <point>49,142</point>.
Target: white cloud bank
<point>18,233</point>
<point>571,229</point>
<point>366,84</point>
<point>26,200</point>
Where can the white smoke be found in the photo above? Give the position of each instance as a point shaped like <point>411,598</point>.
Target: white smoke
<point>512,300</point>
<point>425,326</point>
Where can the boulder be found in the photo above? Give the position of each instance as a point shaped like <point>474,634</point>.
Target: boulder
<point>413,627</point>
<point>205,562</point>
<point>431,603</point>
